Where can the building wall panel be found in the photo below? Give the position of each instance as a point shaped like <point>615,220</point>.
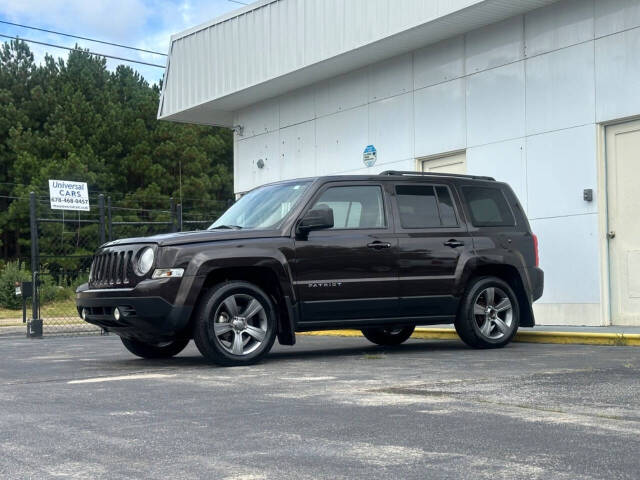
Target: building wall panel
<point>617,72</point>
<point>391,128</point>
<point>343,92</point>
<point>340,139</point>
<point>560,165</point>
<point>495,104</point>
<point>438,63</point>
<point>612,16</point>
<point>391,77</point>
<point>570,256</point>
<point>260,118</point>
<point>298,151</point>
<point>559,25</point>
<point>495,45</point>
<point>297,107</point>
<point>251,150</point>
<point>440,118</point>
<point>560,89</point>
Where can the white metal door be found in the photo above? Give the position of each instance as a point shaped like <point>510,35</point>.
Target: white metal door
<point>455,163</point>
<point>623,197</point>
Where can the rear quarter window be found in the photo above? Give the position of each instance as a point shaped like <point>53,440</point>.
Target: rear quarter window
<point>488,207</point>
<point>425,206</point>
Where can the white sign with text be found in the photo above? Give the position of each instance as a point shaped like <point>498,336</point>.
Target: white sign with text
<point>66,195</point>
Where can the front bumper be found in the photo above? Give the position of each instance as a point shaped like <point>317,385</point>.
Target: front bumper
<point>148,312</point>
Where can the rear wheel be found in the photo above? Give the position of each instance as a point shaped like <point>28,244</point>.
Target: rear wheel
<point>388,335</point>
<point>489,315</point>
<point>235,324</point>
<point>155,350</point>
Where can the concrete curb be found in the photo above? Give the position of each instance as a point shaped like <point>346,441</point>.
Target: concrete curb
<point>566,338</point>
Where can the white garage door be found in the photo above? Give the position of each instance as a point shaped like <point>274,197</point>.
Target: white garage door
<point>455,163</point>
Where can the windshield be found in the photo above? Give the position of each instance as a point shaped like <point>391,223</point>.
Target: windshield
<point>262,208</point>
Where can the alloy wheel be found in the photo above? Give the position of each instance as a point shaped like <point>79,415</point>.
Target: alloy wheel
<point>493,313</point>
<point>240,324</point>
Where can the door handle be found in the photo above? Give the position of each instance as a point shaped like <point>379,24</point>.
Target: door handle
<point>377,245</point>
<point>454,243</point>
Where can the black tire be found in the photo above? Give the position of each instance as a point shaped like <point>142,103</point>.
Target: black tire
<point>388,335</point>
<point>471,323</point>
<point>220,348</point>
<point>161,350</point>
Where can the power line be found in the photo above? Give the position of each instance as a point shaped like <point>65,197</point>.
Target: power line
<point>83,51</point>
<point>236,1</point>
<point>82,38</point>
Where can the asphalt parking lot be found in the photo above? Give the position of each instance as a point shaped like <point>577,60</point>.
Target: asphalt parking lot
<point>328,408</point>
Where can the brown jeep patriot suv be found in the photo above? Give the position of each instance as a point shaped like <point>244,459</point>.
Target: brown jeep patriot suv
<point>380,253</point>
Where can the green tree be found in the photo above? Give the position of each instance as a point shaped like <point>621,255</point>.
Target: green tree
<point>75,120</point>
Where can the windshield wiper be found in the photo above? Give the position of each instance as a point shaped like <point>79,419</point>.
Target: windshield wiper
<point>226,227</point>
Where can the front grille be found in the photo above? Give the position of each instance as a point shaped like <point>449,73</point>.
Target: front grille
<point>112,267</point>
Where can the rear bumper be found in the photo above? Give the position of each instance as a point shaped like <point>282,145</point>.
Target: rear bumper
<point>147,312</point>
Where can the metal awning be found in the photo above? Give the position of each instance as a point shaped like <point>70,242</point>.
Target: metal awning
<point>274,46</point>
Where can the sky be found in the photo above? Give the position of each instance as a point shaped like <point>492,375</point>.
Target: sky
<point>146,24</point>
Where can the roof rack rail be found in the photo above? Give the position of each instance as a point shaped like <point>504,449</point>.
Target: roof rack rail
<point>434,174</point>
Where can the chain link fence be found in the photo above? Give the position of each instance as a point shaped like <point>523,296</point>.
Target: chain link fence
<point>62,245</point>
<point>57,256</point>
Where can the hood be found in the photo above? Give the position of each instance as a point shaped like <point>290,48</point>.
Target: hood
<point>181,238</point>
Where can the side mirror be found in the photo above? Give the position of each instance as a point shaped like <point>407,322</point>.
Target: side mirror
<point>317,219</point>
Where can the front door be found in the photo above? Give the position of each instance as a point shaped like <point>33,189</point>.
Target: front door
<point>623,174</point>
<point>432,241</point>
<point>348,272</point>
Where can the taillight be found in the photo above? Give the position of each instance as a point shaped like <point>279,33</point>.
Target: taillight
<point>535,249</point>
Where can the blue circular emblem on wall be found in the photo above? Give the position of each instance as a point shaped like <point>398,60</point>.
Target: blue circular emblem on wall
<point>370,156</point>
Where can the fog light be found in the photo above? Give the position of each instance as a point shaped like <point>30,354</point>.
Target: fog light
<point>84,314</point>
<point>116,313</point>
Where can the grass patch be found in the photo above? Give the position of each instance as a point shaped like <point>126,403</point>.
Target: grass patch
<point>61,308</point>
<point>5,313</point>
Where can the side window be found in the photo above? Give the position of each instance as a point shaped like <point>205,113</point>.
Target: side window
<point>354,206</point>
<point>425,206</point>
<point>488,207</point>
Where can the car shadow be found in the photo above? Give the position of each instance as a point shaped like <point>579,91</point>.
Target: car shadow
<point>331,352</point>
<point>299,352</point>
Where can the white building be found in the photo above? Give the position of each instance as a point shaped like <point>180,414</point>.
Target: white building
<point>539,93</point>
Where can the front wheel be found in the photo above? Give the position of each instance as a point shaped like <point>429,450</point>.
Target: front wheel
<point>235,324</point>
<point>489,315</point>
<point>157,350</point>
<point>388,336</point>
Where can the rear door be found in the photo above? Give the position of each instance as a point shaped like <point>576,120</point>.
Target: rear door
<point>432,242</point>
<point>348,272</point>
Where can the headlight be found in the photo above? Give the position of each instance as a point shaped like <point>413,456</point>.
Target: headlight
<point>145,261</point>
